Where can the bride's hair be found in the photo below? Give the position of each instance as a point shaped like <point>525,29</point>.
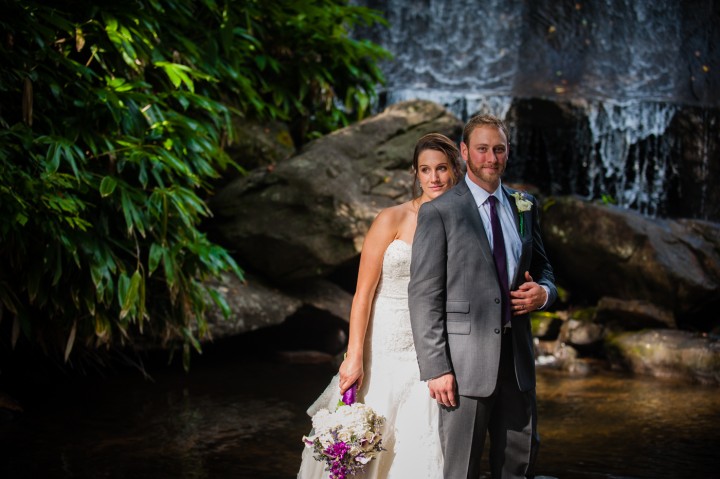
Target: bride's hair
<point>443,144</point>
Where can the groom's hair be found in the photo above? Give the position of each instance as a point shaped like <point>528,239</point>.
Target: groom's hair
<point>484,120</point>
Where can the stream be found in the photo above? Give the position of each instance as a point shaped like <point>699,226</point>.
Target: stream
<point>241,415</point>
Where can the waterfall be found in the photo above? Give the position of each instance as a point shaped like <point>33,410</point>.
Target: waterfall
<point>634,67</point>
<point>617,169</point>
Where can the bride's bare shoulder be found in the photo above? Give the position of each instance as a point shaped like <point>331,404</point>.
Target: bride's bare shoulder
<point>398,213</point>
<point>398,221</point>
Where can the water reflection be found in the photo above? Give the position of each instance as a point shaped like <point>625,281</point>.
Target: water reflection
<point>243,418</point>
<point>612,426</point>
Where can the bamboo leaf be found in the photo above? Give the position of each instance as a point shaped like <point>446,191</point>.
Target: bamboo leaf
<point>131,296</point>
<point>220,302</point>
<point>102,328</point>
<point>35,273</point>
<point>70,341</point>
<point>107,186</point>
<point>156,253</point>
<point>141,305</point>
<point>169,265</point>
<point>128,210</point>
<point>53,159</point>
<point>57,273</point>
<point>15,334</point>
<point>122,288</point>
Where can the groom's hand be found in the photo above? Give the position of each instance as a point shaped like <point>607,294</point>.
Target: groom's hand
<point>442,389</point>
<point>528,297</point>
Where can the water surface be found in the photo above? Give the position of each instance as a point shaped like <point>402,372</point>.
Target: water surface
<point>238,417</point>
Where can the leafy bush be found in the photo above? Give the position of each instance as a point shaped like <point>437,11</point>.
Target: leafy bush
<point>112,127</point>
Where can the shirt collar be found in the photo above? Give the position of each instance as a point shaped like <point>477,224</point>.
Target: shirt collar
<point>481,196</point>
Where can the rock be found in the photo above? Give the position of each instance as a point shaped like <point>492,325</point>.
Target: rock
<point>584,336</point>
<point>10,408</point>
<point>312,315</point>
<point>309,214</point>
<point>544,347</point>
<point>608,251</point>
<point>545,325</point>
<point>312,329</point>
<point>633,314</point>
<point>323,295</point>
<point>253,304</point>
<point>694,131</point>
<point>257,144</point>
<point>563,357</point>
<point>668,354</point>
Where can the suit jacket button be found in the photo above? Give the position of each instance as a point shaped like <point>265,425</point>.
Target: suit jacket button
<point>497,300</point>
<point>497,331</point>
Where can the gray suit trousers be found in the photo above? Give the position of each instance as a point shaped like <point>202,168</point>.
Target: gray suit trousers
<point>508,415</point>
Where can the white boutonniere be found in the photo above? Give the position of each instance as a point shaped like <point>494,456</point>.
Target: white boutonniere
<point>523,205</point>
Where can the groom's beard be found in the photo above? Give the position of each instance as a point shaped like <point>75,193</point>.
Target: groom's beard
<point>490,177</point>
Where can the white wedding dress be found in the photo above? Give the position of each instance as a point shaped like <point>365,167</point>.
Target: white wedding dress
<point>391,386</point>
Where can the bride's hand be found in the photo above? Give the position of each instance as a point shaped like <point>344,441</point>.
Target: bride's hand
<point>351,371</point>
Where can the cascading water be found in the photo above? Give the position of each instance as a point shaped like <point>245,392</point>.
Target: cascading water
<point>625,68</point>
<point>618,169</point>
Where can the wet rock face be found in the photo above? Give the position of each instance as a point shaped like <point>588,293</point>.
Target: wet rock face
<point>631,315</point>
<point>607,251</point>
<point>655,159</point>
<point>669,354</point>
<point>311,315</point>
<point>692,190</point>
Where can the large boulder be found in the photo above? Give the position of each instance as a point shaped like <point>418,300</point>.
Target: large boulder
<point>668,353</point>
<point>633,314</point>
<point>306,216</point>
<point>253,303</point>
<point>604,250</point>
<point>313,314</point>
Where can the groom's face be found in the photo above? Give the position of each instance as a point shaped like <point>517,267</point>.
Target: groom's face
<point>486,156</point>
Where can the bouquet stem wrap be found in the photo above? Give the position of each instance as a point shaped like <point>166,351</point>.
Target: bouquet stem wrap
<point>350,396</point>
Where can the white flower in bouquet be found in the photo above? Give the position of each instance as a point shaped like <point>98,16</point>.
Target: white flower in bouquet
<point>346,439</point>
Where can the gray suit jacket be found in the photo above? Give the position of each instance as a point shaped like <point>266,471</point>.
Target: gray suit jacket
<point>454,294</point>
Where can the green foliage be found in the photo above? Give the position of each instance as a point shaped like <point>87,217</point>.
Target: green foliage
<point>113,121</point>
<point>608,199</point>
<point>311,69</point>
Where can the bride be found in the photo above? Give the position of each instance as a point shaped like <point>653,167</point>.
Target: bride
<point>380,355</point>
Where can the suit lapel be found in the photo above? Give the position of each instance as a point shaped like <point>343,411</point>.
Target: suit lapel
<point>516,215</point>
<point>523,233</point>
<point>470,211</point>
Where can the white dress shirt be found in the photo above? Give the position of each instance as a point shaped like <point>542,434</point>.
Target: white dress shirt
<point>513,243</point>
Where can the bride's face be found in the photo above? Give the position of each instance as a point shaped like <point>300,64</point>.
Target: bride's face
<point>434,173</point>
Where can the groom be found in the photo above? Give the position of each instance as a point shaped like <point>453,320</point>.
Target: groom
<point>478,269</point>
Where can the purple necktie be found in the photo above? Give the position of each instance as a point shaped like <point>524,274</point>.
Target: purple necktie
<point>500,260</point>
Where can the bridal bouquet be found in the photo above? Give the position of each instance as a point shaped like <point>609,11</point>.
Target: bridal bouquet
<point>347,439</point>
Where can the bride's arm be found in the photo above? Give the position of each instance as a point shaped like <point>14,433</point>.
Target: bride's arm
<point>381,233</point>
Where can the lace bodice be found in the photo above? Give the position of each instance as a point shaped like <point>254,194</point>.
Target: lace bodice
<point>390,329</point>
<point>395,271</point>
